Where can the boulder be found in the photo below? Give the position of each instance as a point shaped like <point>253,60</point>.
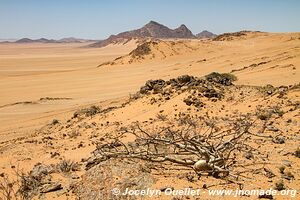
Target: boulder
<point>155,85</point>
<point>184,79</point>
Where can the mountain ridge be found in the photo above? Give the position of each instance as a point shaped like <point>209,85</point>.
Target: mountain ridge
<point>45,40</point>
<point>151,30</point>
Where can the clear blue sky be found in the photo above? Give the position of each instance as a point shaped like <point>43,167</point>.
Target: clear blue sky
<point>97,19</point>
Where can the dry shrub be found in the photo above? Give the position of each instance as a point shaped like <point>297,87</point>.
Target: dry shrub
<point>202,147</point>
<point>7,188</point>
<point>67,166</point>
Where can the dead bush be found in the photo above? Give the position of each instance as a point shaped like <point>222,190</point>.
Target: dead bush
<point>161,117</point>
<point>264,114</point>
<point>67,166</point>
<point>184,120</point>
<point>7,188</point>
<point>213,151</point>
<point>134,96</point>
<point>28,185</point>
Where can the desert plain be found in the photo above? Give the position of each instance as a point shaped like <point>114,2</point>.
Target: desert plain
<point>43,85</point>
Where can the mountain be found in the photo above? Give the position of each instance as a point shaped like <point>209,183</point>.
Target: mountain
<point>152,30</point>
<point>41,40</point>
<point>44,40</point>
<point>156,30</point>
<point>7,40</point>
<point>74,40</point>
<point>24,40</point>
<point>205,34</point>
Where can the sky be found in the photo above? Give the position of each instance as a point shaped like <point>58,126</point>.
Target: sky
<point>97,19</point>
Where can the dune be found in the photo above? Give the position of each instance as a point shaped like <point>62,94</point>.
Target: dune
<point>60,103</point>
<point>32,71</point>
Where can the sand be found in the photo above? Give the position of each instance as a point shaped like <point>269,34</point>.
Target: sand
<point>69,76</point>
<point>32,71</point>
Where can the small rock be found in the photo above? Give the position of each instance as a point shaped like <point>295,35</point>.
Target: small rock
<point>279,140</point>
<point>269,173</point>
<point>272,128</point>
<point>201,165</point>
<point>287,163</point>
<point>265,196</point>
<point>51,187</point>
<point>297,153</point>
<point>281,169</point>
<point>54,154</point>
<point>248,155</point>
<point>165,188</point>
<point>288,175</point>
<point>279,186</point>
<point>54,122</point>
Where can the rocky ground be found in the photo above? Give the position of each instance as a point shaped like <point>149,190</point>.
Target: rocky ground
<point>186,132</point>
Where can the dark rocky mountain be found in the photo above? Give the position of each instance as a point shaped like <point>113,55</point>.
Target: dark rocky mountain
<point>205,34</point>
<point>152,30</point>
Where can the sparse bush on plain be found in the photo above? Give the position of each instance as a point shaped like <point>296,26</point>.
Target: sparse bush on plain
<point>161,117</point>
<point>264,114</point>
<point>29,185</point>
<point>88,112</point>
<point>66,166</point>
<point>134,96</point>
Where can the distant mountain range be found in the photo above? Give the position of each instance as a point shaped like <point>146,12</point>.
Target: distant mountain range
<point>150,30</point>
<point>44,40</point>
<point>205,34</point>
<point>153,30</point>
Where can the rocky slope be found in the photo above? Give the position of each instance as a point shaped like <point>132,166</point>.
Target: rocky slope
<point>234,35</point>
<point>154,49</point>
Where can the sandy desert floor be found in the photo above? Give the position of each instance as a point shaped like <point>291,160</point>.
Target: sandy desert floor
<point>29,72</point>
<point>42,82</point>
<point>32,71</point>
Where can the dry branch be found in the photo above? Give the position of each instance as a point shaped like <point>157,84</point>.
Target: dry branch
<point>213,152</point>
